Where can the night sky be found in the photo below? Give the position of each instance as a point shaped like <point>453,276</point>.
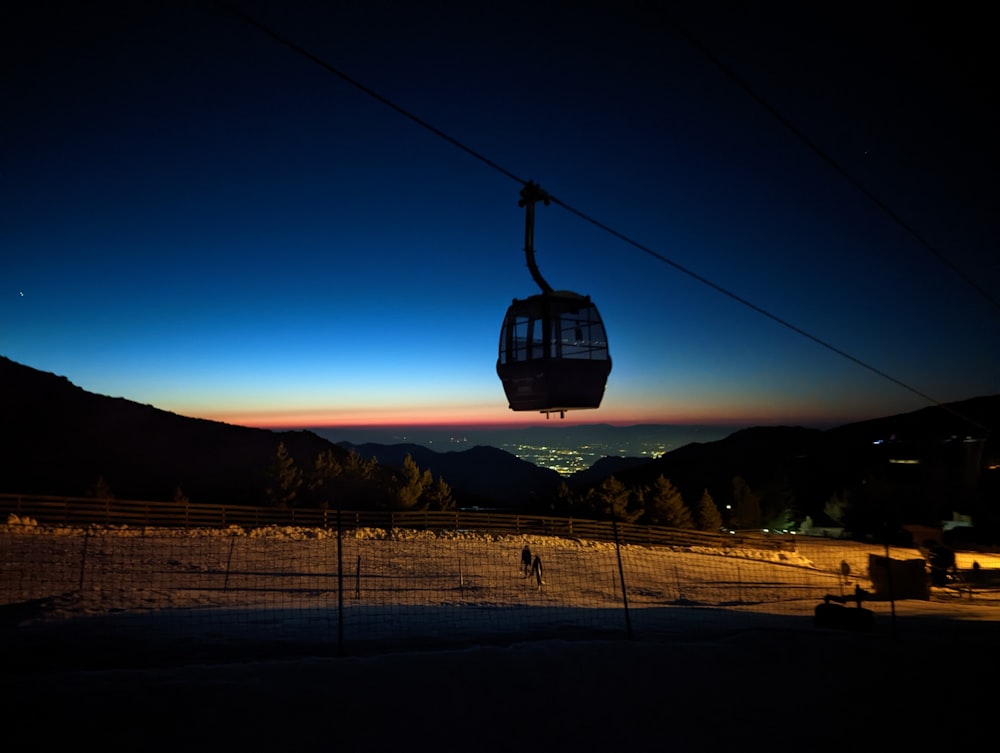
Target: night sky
<point>198,217</point>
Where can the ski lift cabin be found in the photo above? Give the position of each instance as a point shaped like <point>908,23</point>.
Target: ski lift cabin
<point>553,346</point>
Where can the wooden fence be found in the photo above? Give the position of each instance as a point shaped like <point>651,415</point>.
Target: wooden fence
<point>82,511</point>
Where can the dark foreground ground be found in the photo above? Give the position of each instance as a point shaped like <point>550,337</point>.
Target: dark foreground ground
<point>921,685</point>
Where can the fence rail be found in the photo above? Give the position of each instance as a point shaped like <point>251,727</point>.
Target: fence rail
<point>52,510</point>
<point>142,573</point>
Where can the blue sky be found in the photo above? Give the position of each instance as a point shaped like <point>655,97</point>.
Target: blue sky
<point>196,217</point>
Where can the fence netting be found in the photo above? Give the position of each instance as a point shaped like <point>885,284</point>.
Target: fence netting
<point>355,589</point>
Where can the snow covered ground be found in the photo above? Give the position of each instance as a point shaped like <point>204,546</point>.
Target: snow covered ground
<point>375,589</point>
<point>204,640</point>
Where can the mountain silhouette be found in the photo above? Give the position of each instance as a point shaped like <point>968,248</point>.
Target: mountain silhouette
<point>485,476</point>
<point>59,439</point>
<point>918,468</point>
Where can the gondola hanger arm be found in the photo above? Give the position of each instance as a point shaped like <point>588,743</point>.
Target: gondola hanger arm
<point>531,194</point>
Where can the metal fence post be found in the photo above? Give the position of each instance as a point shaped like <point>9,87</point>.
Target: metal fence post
<point>229,563</point>
<point>621,576</point>
<point>357,579</point>
<point>340,587</point>
<point>83,558</point>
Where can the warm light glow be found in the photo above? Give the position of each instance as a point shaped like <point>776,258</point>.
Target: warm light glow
<point>479,415</point>
<point>483,417</point>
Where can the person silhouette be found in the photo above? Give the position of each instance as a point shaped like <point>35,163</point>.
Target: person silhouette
<point>536,570</point>
<point>526,561</point>
<point>845,572</point>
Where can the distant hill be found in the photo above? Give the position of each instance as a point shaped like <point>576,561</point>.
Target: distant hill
<point>485,476</point>
<point>976,418</point>
<point>59,439</point>
<point>528,442</point>
<point>913,468</point>
<point>762,456</point>
<point>794,471</point>
<point>606,466</point>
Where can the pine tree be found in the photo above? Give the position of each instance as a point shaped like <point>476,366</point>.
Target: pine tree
<point>357,468</point>
<point>100,489</point>
<point>564,501</point>
<point>746,505</point>
<point>706,515</point>
<point>362,486</point>
<point>614,497</point>
<point>438,496</point>
<point>413,484</point>
<point>285,479</point>
<point>323,478</point>
<point>666,506</point>
<point>839,505</point>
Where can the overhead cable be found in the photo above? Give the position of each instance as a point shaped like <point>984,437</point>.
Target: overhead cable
<point>831,162</point>
<point>587,218</point>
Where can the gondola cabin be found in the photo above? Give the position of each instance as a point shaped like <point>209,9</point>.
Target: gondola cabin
<point>553,349</point>
<point>553,353</point>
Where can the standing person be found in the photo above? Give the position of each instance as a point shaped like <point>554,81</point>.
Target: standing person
<point>526,561</point>
<point>536,569</point>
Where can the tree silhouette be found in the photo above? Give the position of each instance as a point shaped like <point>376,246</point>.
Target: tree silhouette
<point>746,504</point>
<point>359,467</point>
<point>563,501</point>
<point>321,486</point>
<point>412,485</point>
<point>362,486</point>
<point>613,497</point>
<point>778,504</point>
<point>438,496</point>
<point>838,505</point>
<point>665,506</point>
<point>100,489</point>
<point>285,479</point>
<point>706,514</point>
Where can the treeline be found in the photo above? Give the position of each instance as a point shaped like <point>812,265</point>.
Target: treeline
<point>660,504</point>
<point>337,480</point>
<point>350,481</point>
<point>354,483</point>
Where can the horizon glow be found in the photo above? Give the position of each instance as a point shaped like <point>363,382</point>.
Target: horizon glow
<point>286,251</point>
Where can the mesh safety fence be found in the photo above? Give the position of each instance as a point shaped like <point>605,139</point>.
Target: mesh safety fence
<point>367,587</point>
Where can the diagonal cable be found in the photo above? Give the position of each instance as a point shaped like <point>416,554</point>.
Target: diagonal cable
<point>831,162</point>
<point>621,236</point>
<point>370,92</point>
